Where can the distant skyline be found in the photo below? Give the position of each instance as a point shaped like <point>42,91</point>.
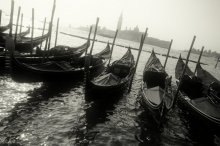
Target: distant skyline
<point>179,20</point>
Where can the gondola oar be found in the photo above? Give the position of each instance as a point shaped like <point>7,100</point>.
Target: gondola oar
<point>113,43</point>
<point>168,53</point>
<point>45,20</point>
<point>51,24</point>
<point>16,28</point>
<point>32,31</point>
<point>57,32</point>
<point>200,55</point>
<point>11,17</point>
<point>21,23</point>
<point>184,70</point>
<point>139,53</point>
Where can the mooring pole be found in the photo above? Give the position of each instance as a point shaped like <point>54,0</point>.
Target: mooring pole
<point>86,63</point>
<point>0,17</point>
<point>116,33</point>
<point>45,20</point>
<point>184,70</point>
<point>51,23</point>
<point>168,53</point>
<point>138,57</point>
<point>57,32</point>
<point>16,28</point>
<point>200,56</point>
<point>88,39</point>
<point>32,31</point>
<point>46,44</point>
<point>96,27</point>
<point>11,17</point>
<point>89,57</point>
<point>21,23</point>
<point>217,62</point>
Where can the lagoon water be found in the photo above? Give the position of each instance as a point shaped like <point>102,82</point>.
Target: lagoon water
<point>62,114</point>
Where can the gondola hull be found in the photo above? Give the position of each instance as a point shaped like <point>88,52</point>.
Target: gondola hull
<point>23,73</point>
<point>156,91</point>
<point>111,89</point>
<point>193,98</point>
<point>198,115</point>
<point>25,45</point>
<point>116,77</point>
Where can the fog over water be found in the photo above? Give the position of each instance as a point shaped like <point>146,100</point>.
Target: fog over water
<point>166,19</point>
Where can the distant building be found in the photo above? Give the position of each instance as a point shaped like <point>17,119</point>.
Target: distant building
<point>119,22</point>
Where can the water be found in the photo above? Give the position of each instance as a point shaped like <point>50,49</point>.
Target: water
<point>61,114</point>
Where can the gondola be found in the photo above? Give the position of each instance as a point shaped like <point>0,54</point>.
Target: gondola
<point>196,100</point>
<point>67,54</point>
<point>205,76</point>
<point>4,28</point>
<point>19,36</point>
<point>55,70</point>
<point>211,84</point>
<point>25,44</point>
<point>115,77</point>
<point>57,53</point>
<point>156,89</point>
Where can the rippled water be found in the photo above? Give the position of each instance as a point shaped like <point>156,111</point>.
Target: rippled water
<point>62,114</point>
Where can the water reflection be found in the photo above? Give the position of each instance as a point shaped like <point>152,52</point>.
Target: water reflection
<point>98,109</point>
<point>24,113</point>
<point>199,132</point>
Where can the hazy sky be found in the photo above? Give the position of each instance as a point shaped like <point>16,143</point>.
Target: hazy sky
<point>166,19</point>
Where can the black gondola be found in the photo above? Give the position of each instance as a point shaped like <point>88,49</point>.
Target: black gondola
<point>54,54</point>
<point>25,44</point>
<point>116,76</point>
<point>156,89</point>
<point>19,36</point>
<point>195,98</point>
<point>211,84</point>
<point>4,28</point>
<point>54,70</point>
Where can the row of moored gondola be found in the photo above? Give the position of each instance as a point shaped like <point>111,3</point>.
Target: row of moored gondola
<point>200,93</point>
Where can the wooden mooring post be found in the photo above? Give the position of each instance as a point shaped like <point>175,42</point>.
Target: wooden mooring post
<point>138,57</point>
<point>45,20</point>
<point>51,24</point>
<point>184,70</point>
<point>21,23</point>
<point>113,43</point>
<point>16,28</point>
<point>88,39</point>
<point>11,17</point>
<point>200,56</point>
<point>168,53</point>
<point>89,56</point>
<point>0,17</point>
<point>32,31</point>
<point>57,29</point>
<point>9,41</point>
<point>217,62</point>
